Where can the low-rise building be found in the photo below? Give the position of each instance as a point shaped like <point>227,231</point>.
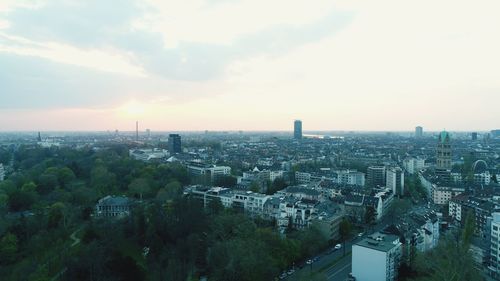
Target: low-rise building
<point>113,207</point>
<point>148,155</point>
<point>382,252</point>
<point>210,172</point>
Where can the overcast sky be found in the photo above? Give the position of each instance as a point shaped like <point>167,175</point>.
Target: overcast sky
<point>249,65</point>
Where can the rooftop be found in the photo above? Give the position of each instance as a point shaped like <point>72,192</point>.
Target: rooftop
<point>380,242</point>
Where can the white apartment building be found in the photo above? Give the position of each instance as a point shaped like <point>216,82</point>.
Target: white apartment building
<point>395,180</point>
<point>211,171</point>
<point>412,165</point>
<point>495,246</point>
<point>376,258</point>
<point>441,195</point>
<point>351,177</point>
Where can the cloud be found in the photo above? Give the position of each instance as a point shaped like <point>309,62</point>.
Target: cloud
<point>104,59</point>
<point>137,33</point>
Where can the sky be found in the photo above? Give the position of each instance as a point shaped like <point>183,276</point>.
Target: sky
<point>249,64</point>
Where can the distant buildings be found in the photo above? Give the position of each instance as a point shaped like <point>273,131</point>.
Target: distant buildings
<point>419,132</point>
<point>376,258</point>
<point>2,172</point>
<point>113,207</point>
<point>174,144</point>
<point>375,176</point>
<point>495,133</point>
<point>297,129</point>
<point>396,180</point>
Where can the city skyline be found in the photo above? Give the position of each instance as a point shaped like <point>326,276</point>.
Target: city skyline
<point>180,66</point>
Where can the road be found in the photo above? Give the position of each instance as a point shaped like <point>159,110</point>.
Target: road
<point>335,266</point>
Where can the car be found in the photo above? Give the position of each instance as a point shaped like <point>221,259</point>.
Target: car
<point>291,271</point>
<point>283,275</point>
<point>316,258</point>
<point>308,262</point>
<point>338,247</point>
<point>361,234</point>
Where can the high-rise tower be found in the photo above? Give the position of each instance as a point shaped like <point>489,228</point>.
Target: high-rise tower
<point>419,132</point>
<point>443,156</point>
<point>174,143</point>
<point>297,129</point>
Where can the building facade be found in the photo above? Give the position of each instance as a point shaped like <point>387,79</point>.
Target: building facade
<point>396,180</point>
<point>297,129</point>
<point>376,258</point>
<point>113,207</point>
<point>375,176</point>
<point>444,157</point>
<point>419,132</point>
<point>174,143</point>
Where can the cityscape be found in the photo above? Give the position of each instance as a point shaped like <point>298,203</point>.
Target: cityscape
<point>350,206</point>
<point>249,140</point>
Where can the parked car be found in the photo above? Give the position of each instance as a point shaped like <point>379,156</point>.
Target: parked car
<point>338,247</point>
<point>308,262</point>
<point>361,234</point>
<point>291,271</point>
<point>283,275</point>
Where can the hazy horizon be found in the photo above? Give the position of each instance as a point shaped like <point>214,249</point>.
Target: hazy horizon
<point>198,65</point>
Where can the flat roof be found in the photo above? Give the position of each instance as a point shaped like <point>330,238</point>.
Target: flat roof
<point>379,241</point>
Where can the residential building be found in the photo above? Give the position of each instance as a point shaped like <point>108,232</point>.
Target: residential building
<point>412,165</point>
<point>174,143</point>
<point>441,195</point>
<point>375,176</point>
<point>297,212</point>
<point>113,206</point>
<point>494,266</point>
<point>297,129</point>
<point>382,252</point>
<point>209,172</point>
<point>356,206</point>
<point>328,221</point>
<point>350,177</point>
<point>396,180</point>
<point>425,233</point>
<point>482,209</point>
